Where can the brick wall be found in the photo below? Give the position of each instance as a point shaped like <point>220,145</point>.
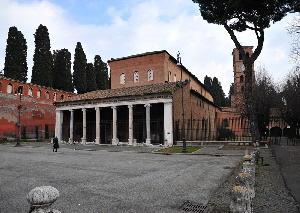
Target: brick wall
<point>37,105</point>
<point>163,65</point>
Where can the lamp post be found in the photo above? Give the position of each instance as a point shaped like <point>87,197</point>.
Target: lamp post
<point>182,103</point>
<point>19,115</point>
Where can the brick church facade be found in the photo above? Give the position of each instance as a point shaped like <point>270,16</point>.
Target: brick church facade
<point>149,94</point>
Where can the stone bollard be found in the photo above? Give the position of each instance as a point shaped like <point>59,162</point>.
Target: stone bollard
<point>41,198</point>
<point>255,154</point>
<point>240,200</point>
<point>249,167</point>
<point>248,158</point>
<point>245,179</point>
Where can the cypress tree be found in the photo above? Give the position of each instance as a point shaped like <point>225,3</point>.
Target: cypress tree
<point>61,73</point>
<point>91,80</point>
<point>216,92</point>
<point>208,83</point>
<point>230,94</point>
<point>215,88</point>
<point>79,68</point>
<point>15,66</point>
<point>101,73</point>
<point>42,58</point>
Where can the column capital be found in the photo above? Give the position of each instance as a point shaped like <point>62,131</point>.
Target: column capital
<point>71,110</point>
<point>147,105</point>
<point>130,106</point>
<point>98,108</point>
<point>83,109</point>
<point>114,107</point>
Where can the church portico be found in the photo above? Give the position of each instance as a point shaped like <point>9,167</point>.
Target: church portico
<point>114,122</point>
<point>144,105</point>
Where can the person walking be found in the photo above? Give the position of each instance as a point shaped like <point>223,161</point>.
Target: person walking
<point>55,144</point>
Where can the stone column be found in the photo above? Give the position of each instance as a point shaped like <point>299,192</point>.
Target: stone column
<point>83,139</point>
<point>168,124</point>
<point>71,126</point>
<point>130,124</point>
<point>114,139</point>
<point>58,124</point>
<point>148,139</point>
<point>97,141</point>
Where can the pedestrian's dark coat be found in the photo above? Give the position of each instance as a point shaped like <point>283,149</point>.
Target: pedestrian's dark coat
<point>55,143</point>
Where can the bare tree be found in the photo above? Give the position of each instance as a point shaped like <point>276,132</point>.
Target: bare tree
<point>265,98</point>
<point>294,31</point>
<point>290,102</point>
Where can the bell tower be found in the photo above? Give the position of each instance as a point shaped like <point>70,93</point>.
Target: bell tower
<point>239,76</point>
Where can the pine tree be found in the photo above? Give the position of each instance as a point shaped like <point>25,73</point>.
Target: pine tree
<point>61,73</point>
<point>42,67</point>
<point>79,74</point>
<point>16,56</point>
<point>91,80</point>
<point>101,73</point>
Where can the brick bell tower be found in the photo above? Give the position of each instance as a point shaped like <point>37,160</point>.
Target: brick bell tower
<point>239,77</point>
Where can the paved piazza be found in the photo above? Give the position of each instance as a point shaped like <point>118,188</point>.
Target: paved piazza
<point>103,181</point>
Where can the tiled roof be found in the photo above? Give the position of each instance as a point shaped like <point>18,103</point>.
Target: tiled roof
<point>128,91</point>
<point>140,55</point>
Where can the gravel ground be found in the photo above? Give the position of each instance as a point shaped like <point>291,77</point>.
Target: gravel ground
<point>93,181</point>
<point>135,191</point>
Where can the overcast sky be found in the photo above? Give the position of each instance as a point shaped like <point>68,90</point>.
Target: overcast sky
<point>119,28</point>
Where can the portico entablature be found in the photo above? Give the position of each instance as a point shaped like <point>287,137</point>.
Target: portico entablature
<point>114,104</point>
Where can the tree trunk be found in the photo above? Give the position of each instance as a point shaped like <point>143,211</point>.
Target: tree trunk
<point>249,102</point>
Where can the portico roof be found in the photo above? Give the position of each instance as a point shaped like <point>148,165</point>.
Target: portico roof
<point>169,87</point>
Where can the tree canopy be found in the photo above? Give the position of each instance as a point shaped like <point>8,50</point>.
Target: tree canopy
<point>15,66</point>
<point>79,68</point>
<point>101,73</point>
<point>91,80</point>
<point>215,88</point>
<point>265,98</point>
<point>290,102</point>
<point>42,58</point>
<point>294,31</point>
<point>61,73</point>
<point>238,15</point>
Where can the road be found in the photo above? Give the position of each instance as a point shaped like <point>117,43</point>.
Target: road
<point>288,158</point>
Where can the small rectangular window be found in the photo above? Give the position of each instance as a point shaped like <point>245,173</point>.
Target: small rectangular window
<point>136,76</point>
<point>150,75</point>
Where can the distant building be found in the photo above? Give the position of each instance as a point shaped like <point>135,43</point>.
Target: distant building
<point>37,113</point>
<point>231,118</point>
